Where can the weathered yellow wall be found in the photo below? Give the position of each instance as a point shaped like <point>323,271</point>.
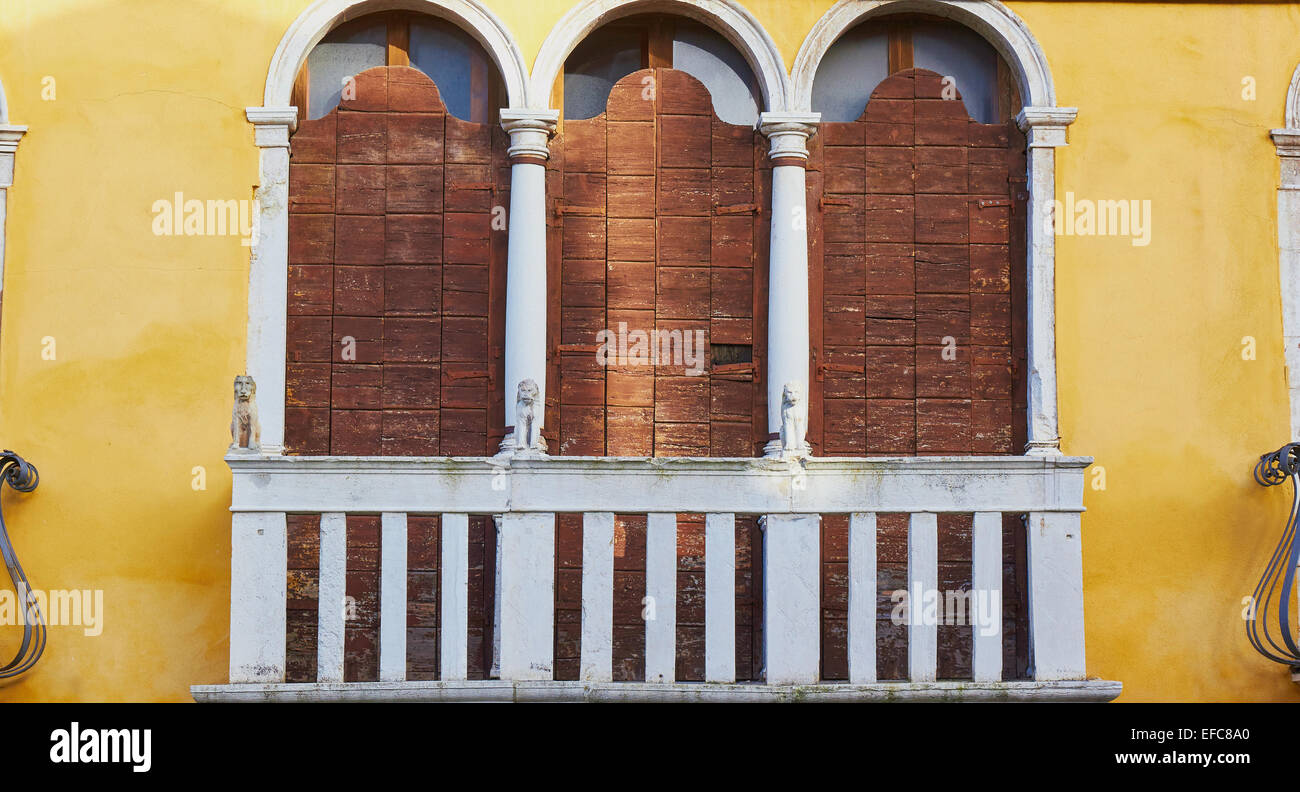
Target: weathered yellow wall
<point>150,330</point>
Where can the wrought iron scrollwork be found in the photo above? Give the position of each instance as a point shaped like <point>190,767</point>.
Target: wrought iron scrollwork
<point>22,476</point>
<point>1271,605</point>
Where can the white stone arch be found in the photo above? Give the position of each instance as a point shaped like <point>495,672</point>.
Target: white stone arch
<point>324,15</point>
<point>728,18</point>
<point>992,20</point>
<point>1287,142</point>
<point>1044,124</point>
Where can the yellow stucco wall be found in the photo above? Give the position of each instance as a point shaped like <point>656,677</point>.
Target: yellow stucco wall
<point>150,330</point>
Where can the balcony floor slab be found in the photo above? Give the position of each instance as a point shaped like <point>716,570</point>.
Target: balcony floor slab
<point>1089,690</point>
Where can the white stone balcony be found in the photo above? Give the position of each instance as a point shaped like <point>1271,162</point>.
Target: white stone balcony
<point>527,493</point>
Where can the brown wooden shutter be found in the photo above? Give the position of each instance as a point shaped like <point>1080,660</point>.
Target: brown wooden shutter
<point>656,217</point>
<point>391,243</point>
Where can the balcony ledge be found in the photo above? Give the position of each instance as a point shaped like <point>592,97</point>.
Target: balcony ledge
<point>1089,690</point>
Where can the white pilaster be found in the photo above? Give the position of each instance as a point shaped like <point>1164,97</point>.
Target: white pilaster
<point>259,560</point>
<point>787,311</point>
<point>527,595</point>
<point>1045,131</point>
<point>1288,244</point>
<point>268,282</point>
<point>792,599</point>
<point>1055,551</point>
<point>525,345</point>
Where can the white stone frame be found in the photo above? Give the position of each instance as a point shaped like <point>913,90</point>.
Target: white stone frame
<point>1287,141</point>
<point>730,19</point>
<point>1044,124</point>
<point>273,121</point>
<point>10,135</point>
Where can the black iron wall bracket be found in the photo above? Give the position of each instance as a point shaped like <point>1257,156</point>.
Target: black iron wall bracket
<point>1270,607</point>
<point>23,477</point>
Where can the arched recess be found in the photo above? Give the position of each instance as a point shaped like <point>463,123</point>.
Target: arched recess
<point>992,20</point>
<point>1287,141</point>
<point>1044,125</point>
<point>273,123</point>
<point>324,15</point>
<point>730,19</point>
<point>9,137</point>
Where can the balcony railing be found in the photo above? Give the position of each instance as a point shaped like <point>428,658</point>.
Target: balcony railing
<point>527,493</point>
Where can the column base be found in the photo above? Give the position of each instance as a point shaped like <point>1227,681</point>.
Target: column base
<point>774,450</point>
<point>509,450</point>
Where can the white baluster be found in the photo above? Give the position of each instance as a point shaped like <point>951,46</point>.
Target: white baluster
<point>454,635</point>
<point>923,590</point>
<point>331,603</point>
<point>862,598</point>
<point>660,608</point>
<point>392,597</point>
<point>720,598</point>
<point>598,597</point>
<point>985,607</point>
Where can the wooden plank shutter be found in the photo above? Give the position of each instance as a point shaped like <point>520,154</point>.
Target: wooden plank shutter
<point>391,244</point>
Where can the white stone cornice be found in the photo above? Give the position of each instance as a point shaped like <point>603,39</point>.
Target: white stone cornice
<point>530,131</point>
<point>9,137</point>
<point>272,125</point>
<point>1045,126</point>
<point>1287,142</point>
<point>789,132</point>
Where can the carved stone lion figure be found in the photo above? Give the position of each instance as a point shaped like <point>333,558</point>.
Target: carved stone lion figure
<point>245,429</point>
<point>793,427</point>
<point>528,434</point>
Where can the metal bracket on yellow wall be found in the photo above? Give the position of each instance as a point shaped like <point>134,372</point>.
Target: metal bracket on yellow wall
<point>23,477</point>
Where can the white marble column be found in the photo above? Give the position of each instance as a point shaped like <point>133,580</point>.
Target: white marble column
<point>268,280</point>
<point>525,353</point>
<point>1044,128</point>
<point>9,137</point>
<point>787,305</point>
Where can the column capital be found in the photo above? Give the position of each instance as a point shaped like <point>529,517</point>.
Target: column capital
<point>9,137</point>
<point>272,125</point>
<point>530,133</point>
<point>1045,126</point>
<point>788,134</point>
<point>1287,142</point>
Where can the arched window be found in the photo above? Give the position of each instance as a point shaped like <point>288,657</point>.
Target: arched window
<point>465,75</point>
<point>396,266</point>
<point>644,41</point>
<point>864,56</point>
